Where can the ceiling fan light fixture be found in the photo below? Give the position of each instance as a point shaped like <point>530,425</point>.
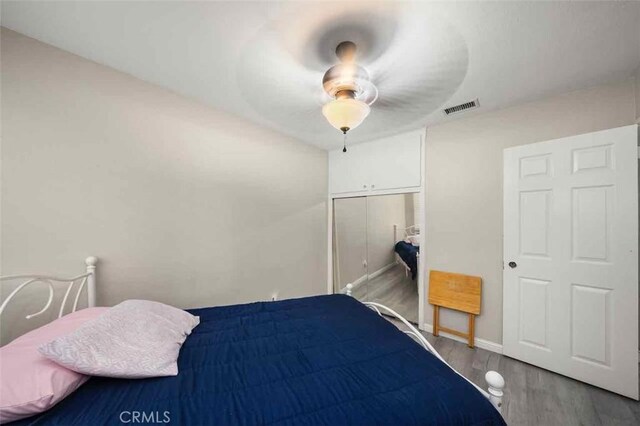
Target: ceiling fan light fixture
<point>351,87</point>
<point>346,113</point>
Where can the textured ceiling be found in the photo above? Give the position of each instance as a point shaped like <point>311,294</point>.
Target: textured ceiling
<point>265,60</point>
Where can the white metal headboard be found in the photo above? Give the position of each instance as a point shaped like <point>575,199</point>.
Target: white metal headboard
<point>409,231</point>
<point>88,279</point>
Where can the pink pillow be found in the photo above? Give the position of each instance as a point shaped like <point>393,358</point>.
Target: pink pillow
<point>32,383</point>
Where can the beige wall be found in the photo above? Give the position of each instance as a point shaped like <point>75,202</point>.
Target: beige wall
<point>464,183</point>
<point>637,90</point>
<point>182,203</point>
<point>349,241</point>
<point>411,208</point>
<point>383,211</point>
<point>363,230</point>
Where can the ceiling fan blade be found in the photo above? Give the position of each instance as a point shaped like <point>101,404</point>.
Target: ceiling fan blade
<point>416,63</point>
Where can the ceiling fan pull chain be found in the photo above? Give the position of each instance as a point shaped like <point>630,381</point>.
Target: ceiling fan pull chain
<point>344,149</point>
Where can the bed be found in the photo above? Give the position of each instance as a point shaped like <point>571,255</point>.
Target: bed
<point>315,360</point>
<point>407,249</point>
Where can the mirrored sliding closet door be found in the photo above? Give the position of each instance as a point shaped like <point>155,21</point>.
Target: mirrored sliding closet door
<point>376,249</point>
<point>350,245</point>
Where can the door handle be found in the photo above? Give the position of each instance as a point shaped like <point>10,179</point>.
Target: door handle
<point>512,264</point>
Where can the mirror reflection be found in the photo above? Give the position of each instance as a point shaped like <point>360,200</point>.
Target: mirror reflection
<point>376,249</point>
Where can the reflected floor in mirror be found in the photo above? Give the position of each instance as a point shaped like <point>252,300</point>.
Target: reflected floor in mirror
<point>393,289</point>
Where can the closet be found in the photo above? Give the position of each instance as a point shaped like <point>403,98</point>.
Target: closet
<point>375,191</point>
<point>389,164</point>
<point>376,250</point>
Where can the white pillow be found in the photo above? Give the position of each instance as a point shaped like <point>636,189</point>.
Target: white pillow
<point>134,339</point>
<point>414,240</point>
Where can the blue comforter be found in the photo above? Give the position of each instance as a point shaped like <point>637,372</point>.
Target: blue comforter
<point>409,254</point>
<point>325,360</point>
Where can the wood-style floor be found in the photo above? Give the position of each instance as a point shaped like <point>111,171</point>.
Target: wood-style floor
<point>534,396</point>
<point>393,289</point>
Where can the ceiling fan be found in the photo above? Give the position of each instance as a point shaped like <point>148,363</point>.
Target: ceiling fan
<point>396,63</point>
<point>351,87</point>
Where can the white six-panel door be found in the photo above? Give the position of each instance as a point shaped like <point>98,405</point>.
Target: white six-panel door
<point>571,257</point>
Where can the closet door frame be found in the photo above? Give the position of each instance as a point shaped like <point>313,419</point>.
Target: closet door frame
<point>421,190</point>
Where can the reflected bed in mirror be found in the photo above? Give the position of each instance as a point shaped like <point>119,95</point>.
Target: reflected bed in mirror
<point>376,249</point>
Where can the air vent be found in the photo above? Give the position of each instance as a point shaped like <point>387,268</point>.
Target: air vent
<point>462,107</point>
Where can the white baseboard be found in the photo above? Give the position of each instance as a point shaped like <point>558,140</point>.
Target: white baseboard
<point>381,270</point>
<point>480,343</point>
<point>355,284</point>
<point>363,279</point>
